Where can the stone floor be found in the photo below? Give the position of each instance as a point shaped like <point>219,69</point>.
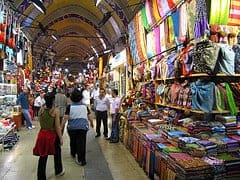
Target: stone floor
<point>105,161</point>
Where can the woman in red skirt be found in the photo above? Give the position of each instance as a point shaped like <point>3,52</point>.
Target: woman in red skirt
<point>49,138</point>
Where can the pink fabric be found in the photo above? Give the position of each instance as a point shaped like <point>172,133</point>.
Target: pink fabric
<point>157,39</point>
<point>150,19</point>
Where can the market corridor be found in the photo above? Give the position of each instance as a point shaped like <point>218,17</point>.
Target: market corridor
<point>105,161</point>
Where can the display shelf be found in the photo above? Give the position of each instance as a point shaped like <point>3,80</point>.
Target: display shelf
<point>191,110</point>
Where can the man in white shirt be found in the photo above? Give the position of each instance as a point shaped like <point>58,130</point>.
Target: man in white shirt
<point>114,138</point>
<point>86,96</point>
<point>101,105</point>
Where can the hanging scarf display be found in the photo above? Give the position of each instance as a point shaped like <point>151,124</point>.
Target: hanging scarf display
<point>162,36</point>
<point>201,23</point>
<point>157,40</point>
<point>150,47</point>
<point>234,14</point>
<point>219,12</point>
<point>149,10</point>
<point>231,100</point>
<point>175,20</point>
<point>140,37</point>
<point>169,32</point>
<point>191,16</point>
<point>132,43</point>
<point>183,20</point>
<point>163,8</point>
<point>155,12</point>
<point>144,18</point>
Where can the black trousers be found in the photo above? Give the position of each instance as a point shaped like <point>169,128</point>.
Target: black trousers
<point>102,115</point>
<point>78,139</point>
<point>42,162</point>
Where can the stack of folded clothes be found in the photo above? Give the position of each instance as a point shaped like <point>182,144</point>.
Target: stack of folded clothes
<point>217,127</point>
<point>218,166</point>
<point>188,167</point>
<point>230,124</point>
<point>232,144</point>
<point>199,127</point>
<point>209,146</point>
<point>232,164</point>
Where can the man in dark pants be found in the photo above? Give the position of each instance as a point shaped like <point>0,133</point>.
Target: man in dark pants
<point>101,105</point>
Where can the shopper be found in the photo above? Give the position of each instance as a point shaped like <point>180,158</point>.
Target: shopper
<point>86,95</point>
<point>38,103</point>
<point>94,94</point>
<point>114,138</point>
<point>77,114</point>
<point>61,102</point>
<point>22,100</point>
<point>101,105</point>
<point>49,138</point>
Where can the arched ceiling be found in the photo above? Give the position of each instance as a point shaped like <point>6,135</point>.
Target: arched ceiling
<point>75,25</point>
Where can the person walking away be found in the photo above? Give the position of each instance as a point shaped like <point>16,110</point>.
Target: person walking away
<point>22,100</point>
<point>49,139</point>
<point>38,103</point>
<point>101,105</point>
<point>61,102</point>
<point>114,138</point>
<point>77,114</point>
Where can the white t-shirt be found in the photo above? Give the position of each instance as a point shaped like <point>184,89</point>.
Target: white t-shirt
<point>38,102</point>
<point>86,97</point>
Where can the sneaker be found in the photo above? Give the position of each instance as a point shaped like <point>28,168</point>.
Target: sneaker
<point>61,173</point>
<point>33,127</point>
<point>29,128</point>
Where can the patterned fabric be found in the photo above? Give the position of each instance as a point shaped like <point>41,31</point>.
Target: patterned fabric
<point>191,16</point>
<point>183,20</point>
<point>132,43</point>
<point>149,10</point>
<point>201,24</point>
<point>234,14</point>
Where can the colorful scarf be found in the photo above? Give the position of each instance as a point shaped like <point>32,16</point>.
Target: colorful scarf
<point>234,14</point>
<point>219,12</point>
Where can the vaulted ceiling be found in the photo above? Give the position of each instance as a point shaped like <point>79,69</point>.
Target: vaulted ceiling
<point>75,24</point>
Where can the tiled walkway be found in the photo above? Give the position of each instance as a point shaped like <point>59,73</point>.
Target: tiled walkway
<point>105,161</point>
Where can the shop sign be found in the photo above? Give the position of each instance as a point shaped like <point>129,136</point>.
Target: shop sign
<point>119,59</point>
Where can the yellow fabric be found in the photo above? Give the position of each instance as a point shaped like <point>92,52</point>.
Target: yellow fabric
<point>155,11</point>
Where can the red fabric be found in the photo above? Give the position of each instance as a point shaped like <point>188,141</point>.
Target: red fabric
<point>45,144</point>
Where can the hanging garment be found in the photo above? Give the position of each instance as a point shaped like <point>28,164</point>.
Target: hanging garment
<point>149,13</point>
<point>203,96</point>
<point>150,45</point>
<point>236,49</point>
<point>132,43</point>
<point>225,62</point>
<point>163,8</point>
<point>201,22</point>
<point>162,36</point>
<point>191,16</point>
<point>155,12</point>
<point>234,14</point>
<point>157,40</point>
<point>219,12</point>
<point>183,20</point>
<point>231,100</point>
<point>144,18</point>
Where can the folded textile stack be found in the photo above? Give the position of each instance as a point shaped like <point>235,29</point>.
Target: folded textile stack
<point>199,127</point>
<point>192,168</point>
<point>232,144</point>
<point>232,163</point>
<point>218,166</point>
<point>209,146</point>
<point>229,122</point>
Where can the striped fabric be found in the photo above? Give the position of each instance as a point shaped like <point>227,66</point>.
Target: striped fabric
<point>234,14</point>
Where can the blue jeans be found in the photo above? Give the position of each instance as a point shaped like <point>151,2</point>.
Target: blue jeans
<point>27,116</point>
<point>115,128</point>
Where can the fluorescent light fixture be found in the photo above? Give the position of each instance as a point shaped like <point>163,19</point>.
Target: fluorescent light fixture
<point>107,51</point>
<point>54,37</point>
<point>66,59</point>
<point>91,58</point>
<point>98,2</point>
<point>39,5</point>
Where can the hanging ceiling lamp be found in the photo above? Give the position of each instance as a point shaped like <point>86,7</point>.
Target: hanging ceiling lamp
<point>39,5</point>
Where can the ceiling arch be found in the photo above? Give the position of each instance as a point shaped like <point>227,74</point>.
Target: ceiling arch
<point>75,24</point>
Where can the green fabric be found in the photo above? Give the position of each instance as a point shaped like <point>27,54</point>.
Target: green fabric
<point>144,18</point>
<point>47,122</point>
<point>219,12</point>
<point>231,101</point>
<point>226,157</point>
<point>169,150</point>
<point>219,99</point>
